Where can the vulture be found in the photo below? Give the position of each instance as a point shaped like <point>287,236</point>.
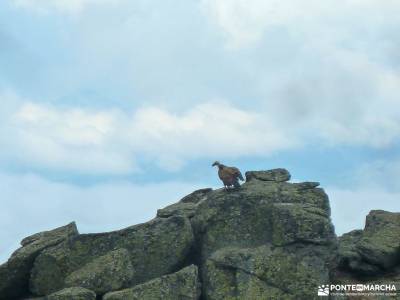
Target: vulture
<point>229,175</point>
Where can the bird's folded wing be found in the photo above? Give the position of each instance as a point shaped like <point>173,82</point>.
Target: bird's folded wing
<point>232,171</point>
<point>235,172</point>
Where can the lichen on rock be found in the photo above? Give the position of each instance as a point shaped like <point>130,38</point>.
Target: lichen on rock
<point>106,273</point>
<point>155,248</point>
<point>374,250</point>
<point>183,284</point>
<point>15,273</point>
<point>268,239</point>
<point>73,293</point>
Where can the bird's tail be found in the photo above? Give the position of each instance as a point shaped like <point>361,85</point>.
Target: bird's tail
<point>241,176</point>
<point>236,184</point>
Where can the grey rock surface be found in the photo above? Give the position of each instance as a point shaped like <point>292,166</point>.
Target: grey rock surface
<point>155,248</point>
<point>268,239</point>
<point>182,285</point>
<point>73,293</point>
<point>15,273</point>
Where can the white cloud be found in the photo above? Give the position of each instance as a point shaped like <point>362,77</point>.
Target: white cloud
<point>69,139</point>
<point>207,130</point>
<point>63,6</point>
<point>110,142</point>
<point>245,22</point>
<point>32,204</point>
<point>114,141</point>
<point>345,98</point>
<point>367,115</point>
<point>335,74</point>
<point>334,78</point>
<point>74,127</point>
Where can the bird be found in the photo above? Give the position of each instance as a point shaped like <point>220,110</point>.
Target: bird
<point>229,175</point>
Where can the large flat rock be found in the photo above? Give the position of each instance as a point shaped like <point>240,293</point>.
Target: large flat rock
<point>73,293</point>
<point>109,272</point>
<point>278,175</point>
<point>15,273</point>
<point>266,272</point>
<point>182,285</point>
<point>154,248</point>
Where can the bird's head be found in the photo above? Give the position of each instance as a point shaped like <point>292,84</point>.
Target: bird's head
<point>216,163</point>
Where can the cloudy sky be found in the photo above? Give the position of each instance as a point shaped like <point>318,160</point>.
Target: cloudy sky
<point>111,109</point>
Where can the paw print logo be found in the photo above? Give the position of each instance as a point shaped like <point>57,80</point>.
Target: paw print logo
<point>323,290</point>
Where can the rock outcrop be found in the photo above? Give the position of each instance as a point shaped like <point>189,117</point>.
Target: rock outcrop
<point>109,272</point>
<point>374,249</point>
<point>183,284</point>
<point>371,255</point>
<point>154,249</point>
<point>14,275</point>
<point>269,239</point>
<point>73,293</point>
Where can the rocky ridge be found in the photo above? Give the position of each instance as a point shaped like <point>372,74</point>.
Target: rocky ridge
<point>270,239</point>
